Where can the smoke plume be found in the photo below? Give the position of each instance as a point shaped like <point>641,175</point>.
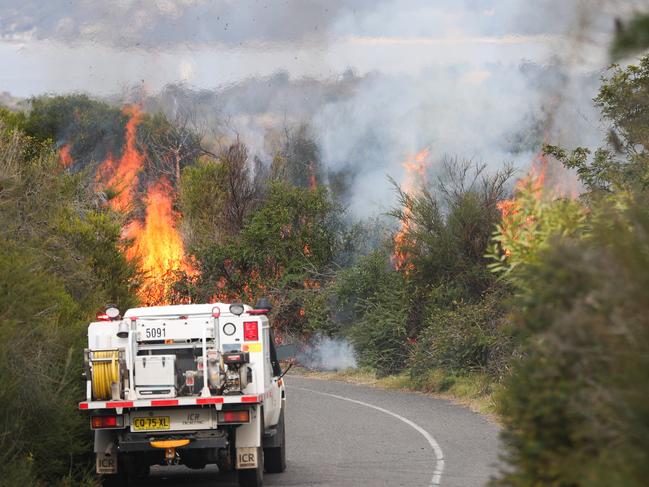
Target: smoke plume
<point>376,81</point>
<point>325,353</point>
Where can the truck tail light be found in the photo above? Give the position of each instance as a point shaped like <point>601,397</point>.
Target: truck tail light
<point>234,416</point>
<point>103,317</point>
<point>250,331</point>
<point>216,312</point>
<point>103,422</point>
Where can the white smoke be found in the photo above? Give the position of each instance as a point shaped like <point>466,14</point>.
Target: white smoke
<point>325,353</point>
<point>377,81</point>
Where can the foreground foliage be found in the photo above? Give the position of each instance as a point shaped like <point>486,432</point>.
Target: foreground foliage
<point>575,406</point>
<point>59,263</point>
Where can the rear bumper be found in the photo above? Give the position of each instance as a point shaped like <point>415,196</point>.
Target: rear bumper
<point>181,401</point>
<point>141,442</point>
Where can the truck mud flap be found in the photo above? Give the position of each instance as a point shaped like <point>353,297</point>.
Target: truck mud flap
<point>106,463</point>
<point>247,457</point>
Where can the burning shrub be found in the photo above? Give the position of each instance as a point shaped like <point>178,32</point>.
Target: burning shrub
<point>91,129</point>
<point>297,159</point>
<point>575,407</point>
<point>284,250</point>
<point>529,221</point>
<point>448,227</point>
<point>428,298</point>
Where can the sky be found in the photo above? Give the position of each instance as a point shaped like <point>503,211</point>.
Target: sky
<point>100,47</point>
<point>486,80</point>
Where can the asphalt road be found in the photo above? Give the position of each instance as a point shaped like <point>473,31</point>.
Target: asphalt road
<point>342,435</point>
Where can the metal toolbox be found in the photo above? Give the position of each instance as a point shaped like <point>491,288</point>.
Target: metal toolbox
<point>155,376</point>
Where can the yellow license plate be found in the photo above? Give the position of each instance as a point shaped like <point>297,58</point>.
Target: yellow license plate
<point>152,423</point>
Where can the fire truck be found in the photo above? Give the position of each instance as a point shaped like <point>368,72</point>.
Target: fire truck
<point>192,384</point>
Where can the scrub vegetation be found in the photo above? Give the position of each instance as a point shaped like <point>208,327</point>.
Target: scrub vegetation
<point>484,285</point>
<point>574,404</point>
<point>59,262</point>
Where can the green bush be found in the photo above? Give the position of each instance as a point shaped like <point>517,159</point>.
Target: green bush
<point>202,198</point>
<point>380,335</point>
<point>373,307</point>
<point>59,263</point>
<point>468,338</point>
<point>575,409</point>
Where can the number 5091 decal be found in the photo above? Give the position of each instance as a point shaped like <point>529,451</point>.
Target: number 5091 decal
<point>152,333</point>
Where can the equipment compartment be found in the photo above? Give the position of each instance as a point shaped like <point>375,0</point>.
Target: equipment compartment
<point>155,376</point>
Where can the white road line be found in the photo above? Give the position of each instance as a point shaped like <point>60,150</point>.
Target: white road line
<point>439,455</point>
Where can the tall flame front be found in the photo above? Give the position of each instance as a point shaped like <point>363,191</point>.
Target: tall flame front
<point>157,245</point>
<point>65,158</point>
<point>121,175</point>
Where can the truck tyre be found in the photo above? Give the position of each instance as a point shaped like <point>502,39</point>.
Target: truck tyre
<point>135,466</point>
<point>254,477</point>
<point>142,471</point>
<point>275,457</point>
<point>119,479</point>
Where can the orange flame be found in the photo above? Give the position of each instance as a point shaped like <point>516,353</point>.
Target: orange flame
<point>121,175</point>
<point>221,296</point>
<point>253,286</point>
<point>535,179</point>
<point>65,158</point>
<point>416,167</point>
<point>157,244</point>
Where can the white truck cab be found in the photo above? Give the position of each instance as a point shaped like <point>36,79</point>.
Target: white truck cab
<point>188,384</point>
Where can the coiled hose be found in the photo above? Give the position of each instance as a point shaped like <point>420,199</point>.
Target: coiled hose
<point>104,374</point>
